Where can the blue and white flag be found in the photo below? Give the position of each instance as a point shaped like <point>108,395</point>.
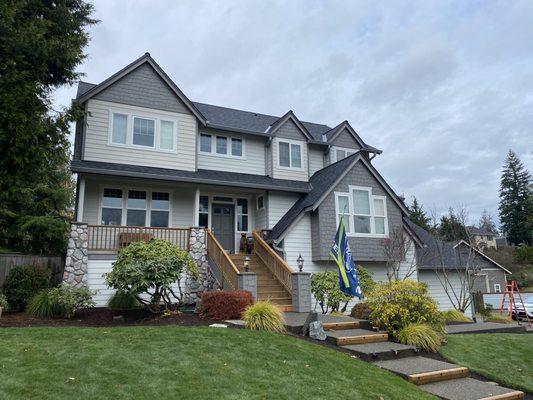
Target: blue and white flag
<point>341,253</point>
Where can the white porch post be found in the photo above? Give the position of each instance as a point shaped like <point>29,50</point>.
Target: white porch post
<point>196,210</point>
<point>81,200</point>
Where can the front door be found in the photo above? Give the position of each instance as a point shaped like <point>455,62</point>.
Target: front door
<point>223,225</point>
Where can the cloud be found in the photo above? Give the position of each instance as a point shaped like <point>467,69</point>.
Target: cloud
<point>444,88</point>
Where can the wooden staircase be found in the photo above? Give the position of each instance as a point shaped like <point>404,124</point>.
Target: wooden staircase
<point>268,286</point>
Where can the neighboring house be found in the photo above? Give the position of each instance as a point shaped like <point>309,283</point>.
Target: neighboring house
<point>147,156</point>
<point>482,238</point>
<point>451,262</point>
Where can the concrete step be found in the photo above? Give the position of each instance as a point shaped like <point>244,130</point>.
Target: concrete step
<point>337,326</point>
<point>422,370</point>
<point>471,389</point>
<point>381,351</point>
<point>355,336</point>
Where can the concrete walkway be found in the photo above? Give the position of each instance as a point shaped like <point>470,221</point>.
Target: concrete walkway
<point>485,327</point>
<point>443,379</point>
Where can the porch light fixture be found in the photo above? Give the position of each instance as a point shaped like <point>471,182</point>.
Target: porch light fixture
<point>300,262</point>
<point>246,263</point>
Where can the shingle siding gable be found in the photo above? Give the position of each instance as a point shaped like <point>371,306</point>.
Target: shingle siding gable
<point>143,87</point>
<point>345,139</point>
<point>289,130</point>
<point>364,249</point>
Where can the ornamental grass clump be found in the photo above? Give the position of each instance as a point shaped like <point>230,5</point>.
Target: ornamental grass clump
<point>398,304</point>
<point>61,301</point>
<point>264,316</point>
<point>421,336</point>
<point>454,316</point>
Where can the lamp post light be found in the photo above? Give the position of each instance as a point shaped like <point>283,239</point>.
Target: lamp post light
<point>300,262</point>
<point>246,263</point>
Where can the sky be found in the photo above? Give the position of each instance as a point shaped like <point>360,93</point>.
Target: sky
<point>444,88</point>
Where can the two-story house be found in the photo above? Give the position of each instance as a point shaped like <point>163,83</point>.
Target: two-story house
<point>152,163</point>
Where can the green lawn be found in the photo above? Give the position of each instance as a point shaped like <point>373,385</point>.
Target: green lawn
<point>505,357</point>
<point>177,362</point>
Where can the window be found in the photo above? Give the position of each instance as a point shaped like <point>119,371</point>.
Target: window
<point>290,155</point>
<point>136,208</point>
<point>205,143</point>
<point>143,132</point>
<point>112,207</point>
<point>242,215</point>
<point>236,147</point>
<point>160,208</point>
<point>343,210</point>
<point>222,145</point>
<point>203,212</point>
<point>284,155</point>
<point>363,213</point>
<point>166,135</point>
<point>120,128</point>
<point>340,154</point>
<point>497,288</point>
<point>260,202</point>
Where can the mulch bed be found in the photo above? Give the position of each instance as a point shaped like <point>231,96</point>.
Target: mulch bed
<point>105,318</point>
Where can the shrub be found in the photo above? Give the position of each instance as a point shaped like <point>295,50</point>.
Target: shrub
<point>62,301</point>
<point>122,301</point>
<point>325,289</point>
<point>421,336</point>
<point>152,268</point>
<point>23,282</point>
<point>224,304</point>
<point>264,316</point>
<point>361,311</point>
<point>498,318</point>
<point>523,254</point>
<point>3,302</point>
<point>397,304</point>
<point>454,316</point>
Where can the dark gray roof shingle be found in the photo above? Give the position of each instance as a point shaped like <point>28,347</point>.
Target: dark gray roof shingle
<point>201,176</point>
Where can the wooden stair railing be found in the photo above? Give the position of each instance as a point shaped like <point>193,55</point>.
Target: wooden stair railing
<point>219,256</point>
<point>277,265</point>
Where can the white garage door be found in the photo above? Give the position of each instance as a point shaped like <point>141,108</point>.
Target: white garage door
<point>436,289</point>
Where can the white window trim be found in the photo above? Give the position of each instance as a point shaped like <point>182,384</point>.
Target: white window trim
<point>348,216</point>
<point>237,214</point>
<point>497,288</point>
<point>334,149</point>
<point>372,215</point>
<point>148,209</point>
<point>290,142</point>
<point>131,114</point>
<point>229,148</point>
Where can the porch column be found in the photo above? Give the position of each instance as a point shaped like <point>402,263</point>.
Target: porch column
<point>81,199</point>
<point>77,259</point>
<point>196,208</point>
<point>248,281</point>
<point>301,291</point>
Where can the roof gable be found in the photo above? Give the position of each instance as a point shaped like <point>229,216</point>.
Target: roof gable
<point>331,135</point>
<point>143,67</point>
<point>289,126</point>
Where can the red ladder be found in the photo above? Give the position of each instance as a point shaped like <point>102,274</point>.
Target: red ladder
<point>510,289</point>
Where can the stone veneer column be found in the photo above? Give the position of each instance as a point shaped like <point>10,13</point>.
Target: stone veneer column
<point>301,291</point>
<point>248,281</point>
<point>77,258</point>
<point>198,253</point>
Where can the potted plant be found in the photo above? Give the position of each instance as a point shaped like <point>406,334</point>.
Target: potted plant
<point>3,303</point>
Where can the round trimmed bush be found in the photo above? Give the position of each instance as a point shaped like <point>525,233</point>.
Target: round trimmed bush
<point>123,301</point>
<point>421,336</point>
<point>23,282</point>
<point>264,316</point>
<point>397,304</point>
<point>361,311</point>
<point>225,304</point>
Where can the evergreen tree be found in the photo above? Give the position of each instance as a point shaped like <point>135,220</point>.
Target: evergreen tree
<point>451,227</point>
<point>487,223</point>
<point>418,215</point>
<point>516,205</point>
<point>41,43</point>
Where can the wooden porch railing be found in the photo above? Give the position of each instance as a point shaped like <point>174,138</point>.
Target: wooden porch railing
<point>219,256</point>
<point>115,237</point>
<point>277,265</point>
